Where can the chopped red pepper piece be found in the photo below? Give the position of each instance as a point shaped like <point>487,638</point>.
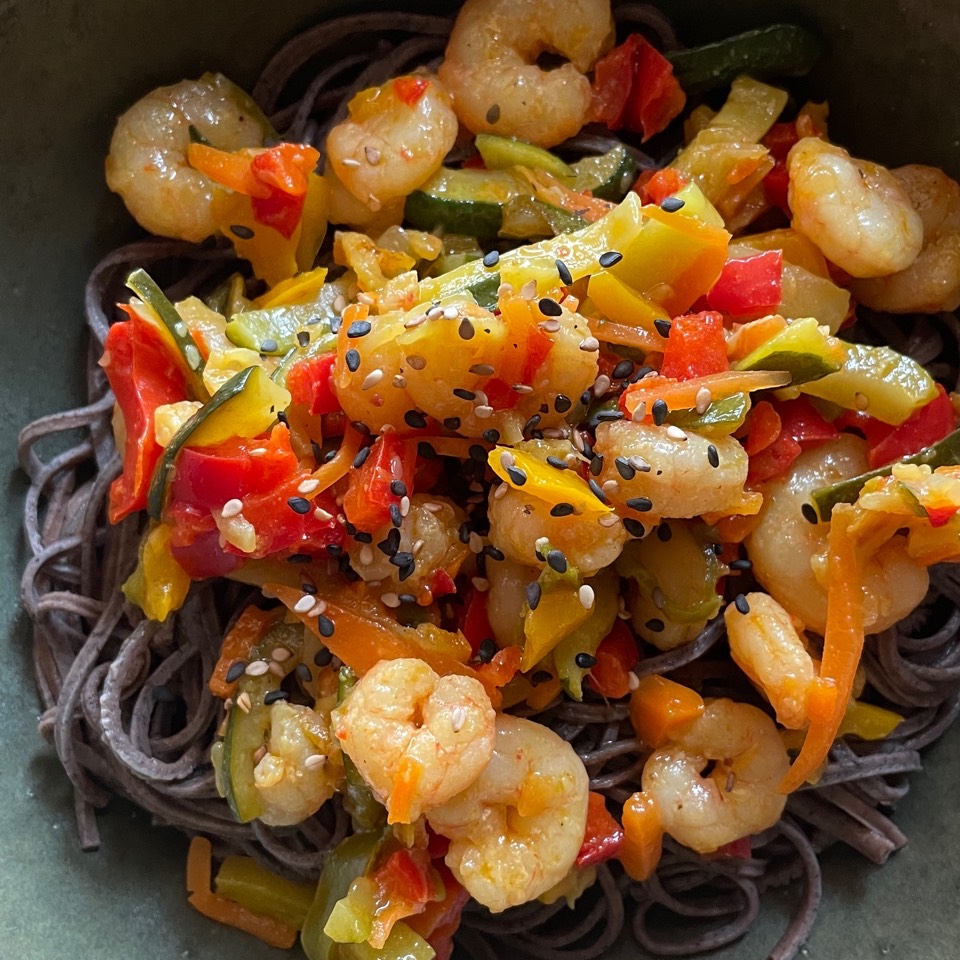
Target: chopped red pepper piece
<point>476,622</point>
<point>750,287</point>
<point>616,656</point>
<point>928,425</point>
<point>654,186</point>
<point>798,425</point>
<point>285,169</point>
<point>143,376</point>
<point>410,89</point>
<point>603,836</point>
<point>308,381</point>
<point>696,347</point>
<point>635,89</point>
<point>390,463</point>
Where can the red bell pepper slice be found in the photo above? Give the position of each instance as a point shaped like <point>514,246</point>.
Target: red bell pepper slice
<point>285,170</point>
<point>195,543</point>
<point>518,366</point>
<point>635,89</point>
<point>696,347</point>
<point>308,381</point>
<point>143,376</point>
<point>476,622</point>
<point>800,426</point>
<point>603,836</point>
<point>391,460</point>
<point>654,186</point>
<point>616,656</point>
<point>404,877</point>
<point>750,287</point>
<point>928,425</point>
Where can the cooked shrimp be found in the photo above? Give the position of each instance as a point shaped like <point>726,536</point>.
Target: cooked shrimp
<point>505,600</point>
<point>302,766</point>
<point>680,481</point>
<point>738,797</point>
<point>394,139</point>
<point>516,831</point>
<point>788,552</point>
<point>147,164</point>
<point>855,211</point>
<point>518,521</point>
<point>408,729</point>
<point>766,646</point>
<point>932,282</point>
<point>490,66</point>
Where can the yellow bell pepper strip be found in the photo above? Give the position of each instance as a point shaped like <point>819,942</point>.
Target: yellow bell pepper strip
<point>246,882</point>
<point>620,303</point>
<point>842,645</point>
<point>642,836</point>
<point>662,709</point>
<point>218,908</point>
<point>158,585</point>
<point>868,721</point>
<point>794,246</point>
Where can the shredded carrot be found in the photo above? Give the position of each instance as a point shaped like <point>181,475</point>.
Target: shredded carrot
<point>409,775</point>
<point>250,627</point>
<point>625,336</point>
<point>842,645</point>
<point>339,466</point>
<point>749,336</point>
<point>199,872</point>
<point>642,836</point>
<point>232,170</point>
<point>661,709</point>
<point>682,394</point>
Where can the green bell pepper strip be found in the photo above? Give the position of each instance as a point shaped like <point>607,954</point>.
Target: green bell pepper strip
<point>244,881</point>
<point>720,419</point>
<point>273,331</point>
<point>366,812</point>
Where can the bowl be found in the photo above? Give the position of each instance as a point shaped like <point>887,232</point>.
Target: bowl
<point>66,72</point>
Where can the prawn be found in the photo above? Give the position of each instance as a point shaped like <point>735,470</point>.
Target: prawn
<point>393,140</point>
<point>932,282</point>
<point>789,553</point>
<point>417,738</point>
<point>301,767</point>
<point>490,66</point>
<point>517,830</point>
<point>855,211</point>
<point>147,164</point>
<point>738,797</point>
<point>766,646</point>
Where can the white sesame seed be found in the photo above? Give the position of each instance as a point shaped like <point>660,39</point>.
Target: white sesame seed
<point>308,485</point>
<point>275,668</point>
<point>641,411</point>
<point>639,464</point>
<point>703,398</point>
<point>244,702</point>
<point>317,608</point>
<point>372,154</point>
<point>366,555</point>
<point>675,433</point>
<point>192,355</point>
<point>504,290</point>
<point>623,615</point>
<point>433,507</point>
<point>458,717</point>
<point>475,542</point>
<point>404,506</point>
<point>372,379</point>
<point>601,385</point>
<point>484,412</point>
<point>480,584</point>
<point>435,313</point>
<point>259,753</point>
<point>231,508</point>
<point>315,760</point>
<point>450,313</point>
<point>659,600</point>
<point>500,491</point>
<point>340,303</point>
<point>861,400</point>
<point>577,440</point>
<point>280,654</point>
<point>417,547</point>
<point>415,321</point>
<point>549,326</point>
<point>590,345</point>
<point>373,203</point>
<point>322,515</point>
<point>610,486</point>
<point>366,299</point>
<point>481,397</point>
<point>257,668</point>
<point>390,600</point>
<point>258,452</point>
<point>507,459</point>
<point>350,162</point>
<point>522,388</point>
<point>481,369</point>
<point>587,596</point>
<point>633,681</point>
<point>609,520</point>
<point>304,603</point>
<point>529,290</point>
<point>399,381</point>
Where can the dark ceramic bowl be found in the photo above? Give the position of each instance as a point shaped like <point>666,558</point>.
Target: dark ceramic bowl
<point>66,71</point>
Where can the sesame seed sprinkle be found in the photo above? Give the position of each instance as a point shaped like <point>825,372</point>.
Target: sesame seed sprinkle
<point>713,456</point>
<point>549,307</point>
<point>404,506</point>
<point>299,505</point>
<point>241,231</point>
<point>809,513</point>
<point>587,596</point>
<point>517,477</point>
<point>557,561</point>
<point>458,717</point>
<point>481,370</point>
<point>352,360</point>
<point>564,273</point>
<point>481,584</point>
<point>741,604</point>
<point>257,668</point>
<point>671,204</point>
<point>231,508</point>
<point>622,370</point>
<point>466,330</point>
<point>372,379</point>
<point>304,604</point>
<point>350,162</point>
<point>275,696</point>
<point>359,328</point>
<point>703,399</point>
<point>483,411</point>
<point>585,660</point>
<point>675,433</point>
<point>280,654</point>
<point>414,321</point>
<point>549,326</point>
<point>529,290</point>
<point>244,702</point>
<point>491,258</point>
<point>236,671</point>
<point>590,345</point>
<point>634,527</point>
<point>640,504</point>
<point>315,759</point>
<point>609,258</point>
<point>390,600</point>
<point>659,411</point>
<point>533,592</point>
<point>601,385</point>
<point>663,326</point>
<point>258,452</point>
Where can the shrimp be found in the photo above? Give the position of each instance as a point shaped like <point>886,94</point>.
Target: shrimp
<point>674,476</point>
<point>490,66</point>
<point>394,139</point>
<point>409,730</point>
<point>517,830</point>
<point>462,362</point>
<point>766,646</point>
<point>518,521</point>
<point>789,553</point>
<point>738,797</point>
<point>147,164</point>
<point>855,211</point>
<point>505,600</point>
<point>932,282</point>
<point>301,768</point>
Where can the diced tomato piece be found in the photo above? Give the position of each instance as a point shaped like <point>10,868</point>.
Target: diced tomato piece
<point>696,346</point>
<point>749,287</point>
<point>928,425</point>
<point>616,656</point>
<point>603,836</point>
<point>195,543</point>
<point>392,460</point>
<point>308,381</point>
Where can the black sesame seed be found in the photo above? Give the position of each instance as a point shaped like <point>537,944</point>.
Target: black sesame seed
<point>236,670</point>
<point>556,462</point>
<point>663,326</point>
<point>596,491</point>
<point>564,271</point>
<point>464,532</point>
<point>308,588</point>
<point>352,360</point>
<point>425,450</point>
<point>464,394</point>
<point>487,650</point>
<point>609,258</point>
<point>414,419</point>
<point>350,528</point>
<point>534,593</point>
<point>359,328</point>
<point>596,465</point>
<point>640,374</point>
<point>532,424</point>
<point>492,435</point>
<point>407,572</point>
<point>322,657</point>
<point>549,307</point>
<point>334,549</point>
<point>741,604</point>
<point>809,513</point>
<point>557,561</point>
<point>360,427</point>
<point>335,324</point>
<point>402,558</point>
<point>269,346</point>
<point>741,565</point>
<point>634,527</point>
<point>561,510</point>
<point>624,468</point>
<point>407,598</point>
<point>398,488</point>
<point>517,476</point>
<point>640,504</point>
<point>361,458</point>
<point>361,536</point>
<point>659,410</point>
<point>466,330</point>
<point>451,423</point>
<point>241,231</point>
<point>491,259</point>
<point>585,398</point>
<point>282,417</point>
<point>713,455</point>
<point>299,505</point>
<point>274,696</point>
<point>317,452</point>
<point>664,533</point>
<point>325,625</point>
<point>585,660</point>
<point>493,114</point>
<point>562,403</point>
<point>622,370</point>
<point>672,204</point>
<point>540,676</point>
<point>655,624</point>
<point>396,517</point>
<point>303,338</point>
<point>607,415</point>
<point>303,673</point>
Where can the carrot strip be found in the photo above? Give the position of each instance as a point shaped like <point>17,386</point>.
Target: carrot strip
<point>339,466</point>
<point>626,336</point>
<point>232,170</point>
<point>199,865</point>
<point>409,775</point>
<point>661,709</point>
<point>642,836</point>
<point>251,626</point>
<point>842,646</point>
<point>682,394</point>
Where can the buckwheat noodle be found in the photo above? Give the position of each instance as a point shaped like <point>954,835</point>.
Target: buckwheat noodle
<point>125,700</point>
